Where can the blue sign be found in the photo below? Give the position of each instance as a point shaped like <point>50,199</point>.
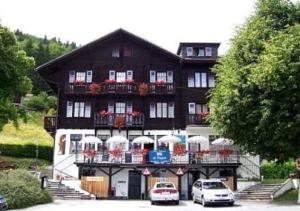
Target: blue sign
<point>161,156</point>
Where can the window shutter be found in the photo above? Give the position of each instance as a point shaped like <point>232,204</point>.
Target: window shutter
<point>71,76</point>
<point>192,109</point>
<point>152,76</point>
<point>189,51</point>
<point>88,109</point>
<point>208,51</point>
<point>169,76</point>
<point>89,76</point>
<point>110,107</point>
<point>69,108</point>
<point>152,110</point>
<point>203,80</point>
<point>129,74</point>
<point>112,75</point>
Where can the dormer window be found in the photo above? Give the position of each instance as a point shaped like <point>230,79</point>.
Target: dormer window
<point>115,53</point>
<point>208,51</point>
<point>189,51</point>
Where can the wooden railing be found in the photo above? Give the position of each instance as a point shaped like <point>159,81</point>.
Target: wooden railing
<point>196,119</point>
<point>111,120</point>
<point>50,123</point>
<point>119,88</point>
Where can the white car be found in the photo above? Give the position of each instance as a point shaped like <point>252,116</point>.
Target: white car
<point>212,191</point>
<point>164,192</point>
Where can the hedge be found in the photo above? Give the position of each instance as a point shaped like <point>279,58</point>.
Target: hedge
<point>272,170</point>
<point>27,151</point>
<point>22,190</point>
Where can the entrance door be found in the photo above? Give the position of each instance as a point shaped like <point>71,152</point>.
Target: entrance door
<point>193,176</point>
<point>134,185</point>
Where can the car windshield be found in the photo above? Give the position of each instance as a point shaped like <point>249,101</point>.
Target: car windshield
<point>213,185</point>
<point>164,185</point>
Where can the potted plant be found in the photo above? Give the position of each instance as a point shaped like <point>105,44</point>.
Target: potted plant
<point>143,89</point>
<point>79,82</point>
<point>95,88</point>
<point>204,114</point>
<point>129,81</point>
<point>160,83</point>
<point>110,81</point>
<point>119,122</point>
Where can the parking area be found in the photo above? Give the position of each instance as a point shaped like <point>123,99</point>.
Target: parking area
<point>128,205</point>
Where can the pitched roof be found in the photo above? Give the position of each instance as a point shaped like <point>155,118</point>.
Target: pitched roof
<point>101,39</point>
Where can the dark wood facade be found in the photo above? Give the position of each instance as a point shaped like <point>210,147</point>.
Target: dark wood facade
<point>141,57</point>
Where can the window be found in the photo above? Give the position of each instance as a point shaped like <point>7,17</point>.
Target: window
<point>89,76</point>
<point>115,53</point>
<point>197,108</point>
<point>211,81</point>
<point>81,109</point>
<point>152,110</point>
<point>201,52</point>
<point>171,110</point>
<point>162,76</point>
<point>170,76</point>
<point>208,51</point>
<point>162,110</point>
<point>80,76</point>
<point>71,76</point>
<point>127,52</point>
<point>197,80</point>
<point>152,76</point>
<point>121,76</point>
<point>75,144</point>
<point>189,51</point>
<point>203,80</point>
<point>112,75</point>
<point>69,108</point>
<point>120,108</point>
<point>191,81</point>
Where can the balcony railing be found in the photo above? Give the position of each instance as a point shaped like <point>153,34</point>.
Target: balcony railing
<point>117,120</point>
<point>119,88</point>
<point>128,157</point>
<point>50,123</point>
<point>196,119</point>
<point>164,88</point>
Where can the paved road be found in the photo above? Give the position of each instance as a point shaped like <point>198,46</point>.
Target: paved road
<point>113,205</point>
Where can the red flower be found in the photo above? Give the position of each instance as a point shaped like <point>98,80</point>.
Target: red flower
<point>225,152</point>
<point>117,152</point>
<point>204,114</point>
<point>95,88</point>
<point>109,81</point>
<point>143,89</point>
<point>104,113</point>
<point>90,153</point>
<point>129,81</point>
<point>160,83</point>
<point>79,82</point>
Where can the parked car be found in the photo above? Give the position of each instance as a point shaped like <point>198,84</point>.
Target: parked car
<point>164,192</point>
<point>212,191</point>
<point>3,203</point>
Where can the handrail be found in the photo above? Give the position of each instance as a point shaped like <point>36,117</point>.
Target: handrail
<point>252,164</point>
<point>282,185</point>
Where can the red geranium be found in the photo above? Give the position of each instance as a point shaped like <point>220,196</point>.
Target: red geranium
<point>143,89</point>
<point>160,83</point>
<point>79,82</point>
<point>225,152</point>
<point>95,88</point>
<point>110,81</point>
<point>203,114</point>
<point>129,81</point>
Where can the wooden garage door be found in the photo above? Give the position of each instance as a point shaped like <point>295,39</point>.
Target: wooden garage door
<point>95,185</point>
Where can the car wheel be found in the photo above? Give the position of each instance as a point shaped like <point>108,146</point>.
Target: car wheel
<point>194,199</point>
<point>230,203</point>
<point>176,202</point>
<point>152,202</point>
<point>204,204</point>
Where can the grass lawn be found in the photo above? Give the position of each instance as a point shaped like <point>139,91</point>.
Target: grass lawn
<point>273,181</point>
<point>290,196</point>
<point>25,163</point>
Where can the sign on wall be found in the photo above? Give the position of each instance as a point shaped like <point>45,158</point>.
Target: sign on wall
<point>182,139</point>
<point>161,156</point>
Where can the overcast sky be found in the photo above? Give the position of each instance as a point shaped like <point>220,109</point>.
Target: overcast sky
<point>164,22</point>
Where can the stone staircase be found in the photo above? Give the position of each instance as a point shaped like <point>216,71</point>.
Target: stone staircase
<point>261,192</point>
<point>61,191</point>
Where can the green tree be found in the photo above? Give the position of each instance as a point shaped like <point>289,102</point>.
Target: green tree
<point>14,64</point>
<point>254,101</point>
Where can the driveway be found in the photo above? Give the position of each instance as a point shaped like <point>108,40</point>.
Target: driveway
<point>126,205</point>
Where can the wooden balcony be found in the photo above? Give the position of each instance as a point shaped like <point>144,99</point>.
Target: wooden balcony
<point>50,123</point>
<point>119,88</point>
<point>115,120</point>
<point>165,88</point>
<point>196,119</point>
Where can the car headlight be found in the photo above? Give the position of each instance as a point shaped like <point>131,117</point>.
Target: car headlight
<point>231,195</point>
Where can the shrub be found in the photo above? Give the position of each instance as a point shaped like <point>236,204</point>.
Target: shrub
<point>273,170</point>
<point>22,190</point>
<point>41,102</point>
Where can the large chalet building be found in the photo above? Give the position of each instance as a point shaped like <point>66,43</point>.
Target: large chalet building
<point>144,104</point>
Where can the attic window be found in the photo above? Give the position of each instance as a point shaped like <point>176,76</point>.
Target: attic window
<point>127,52</point>
<point>115,53</point>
